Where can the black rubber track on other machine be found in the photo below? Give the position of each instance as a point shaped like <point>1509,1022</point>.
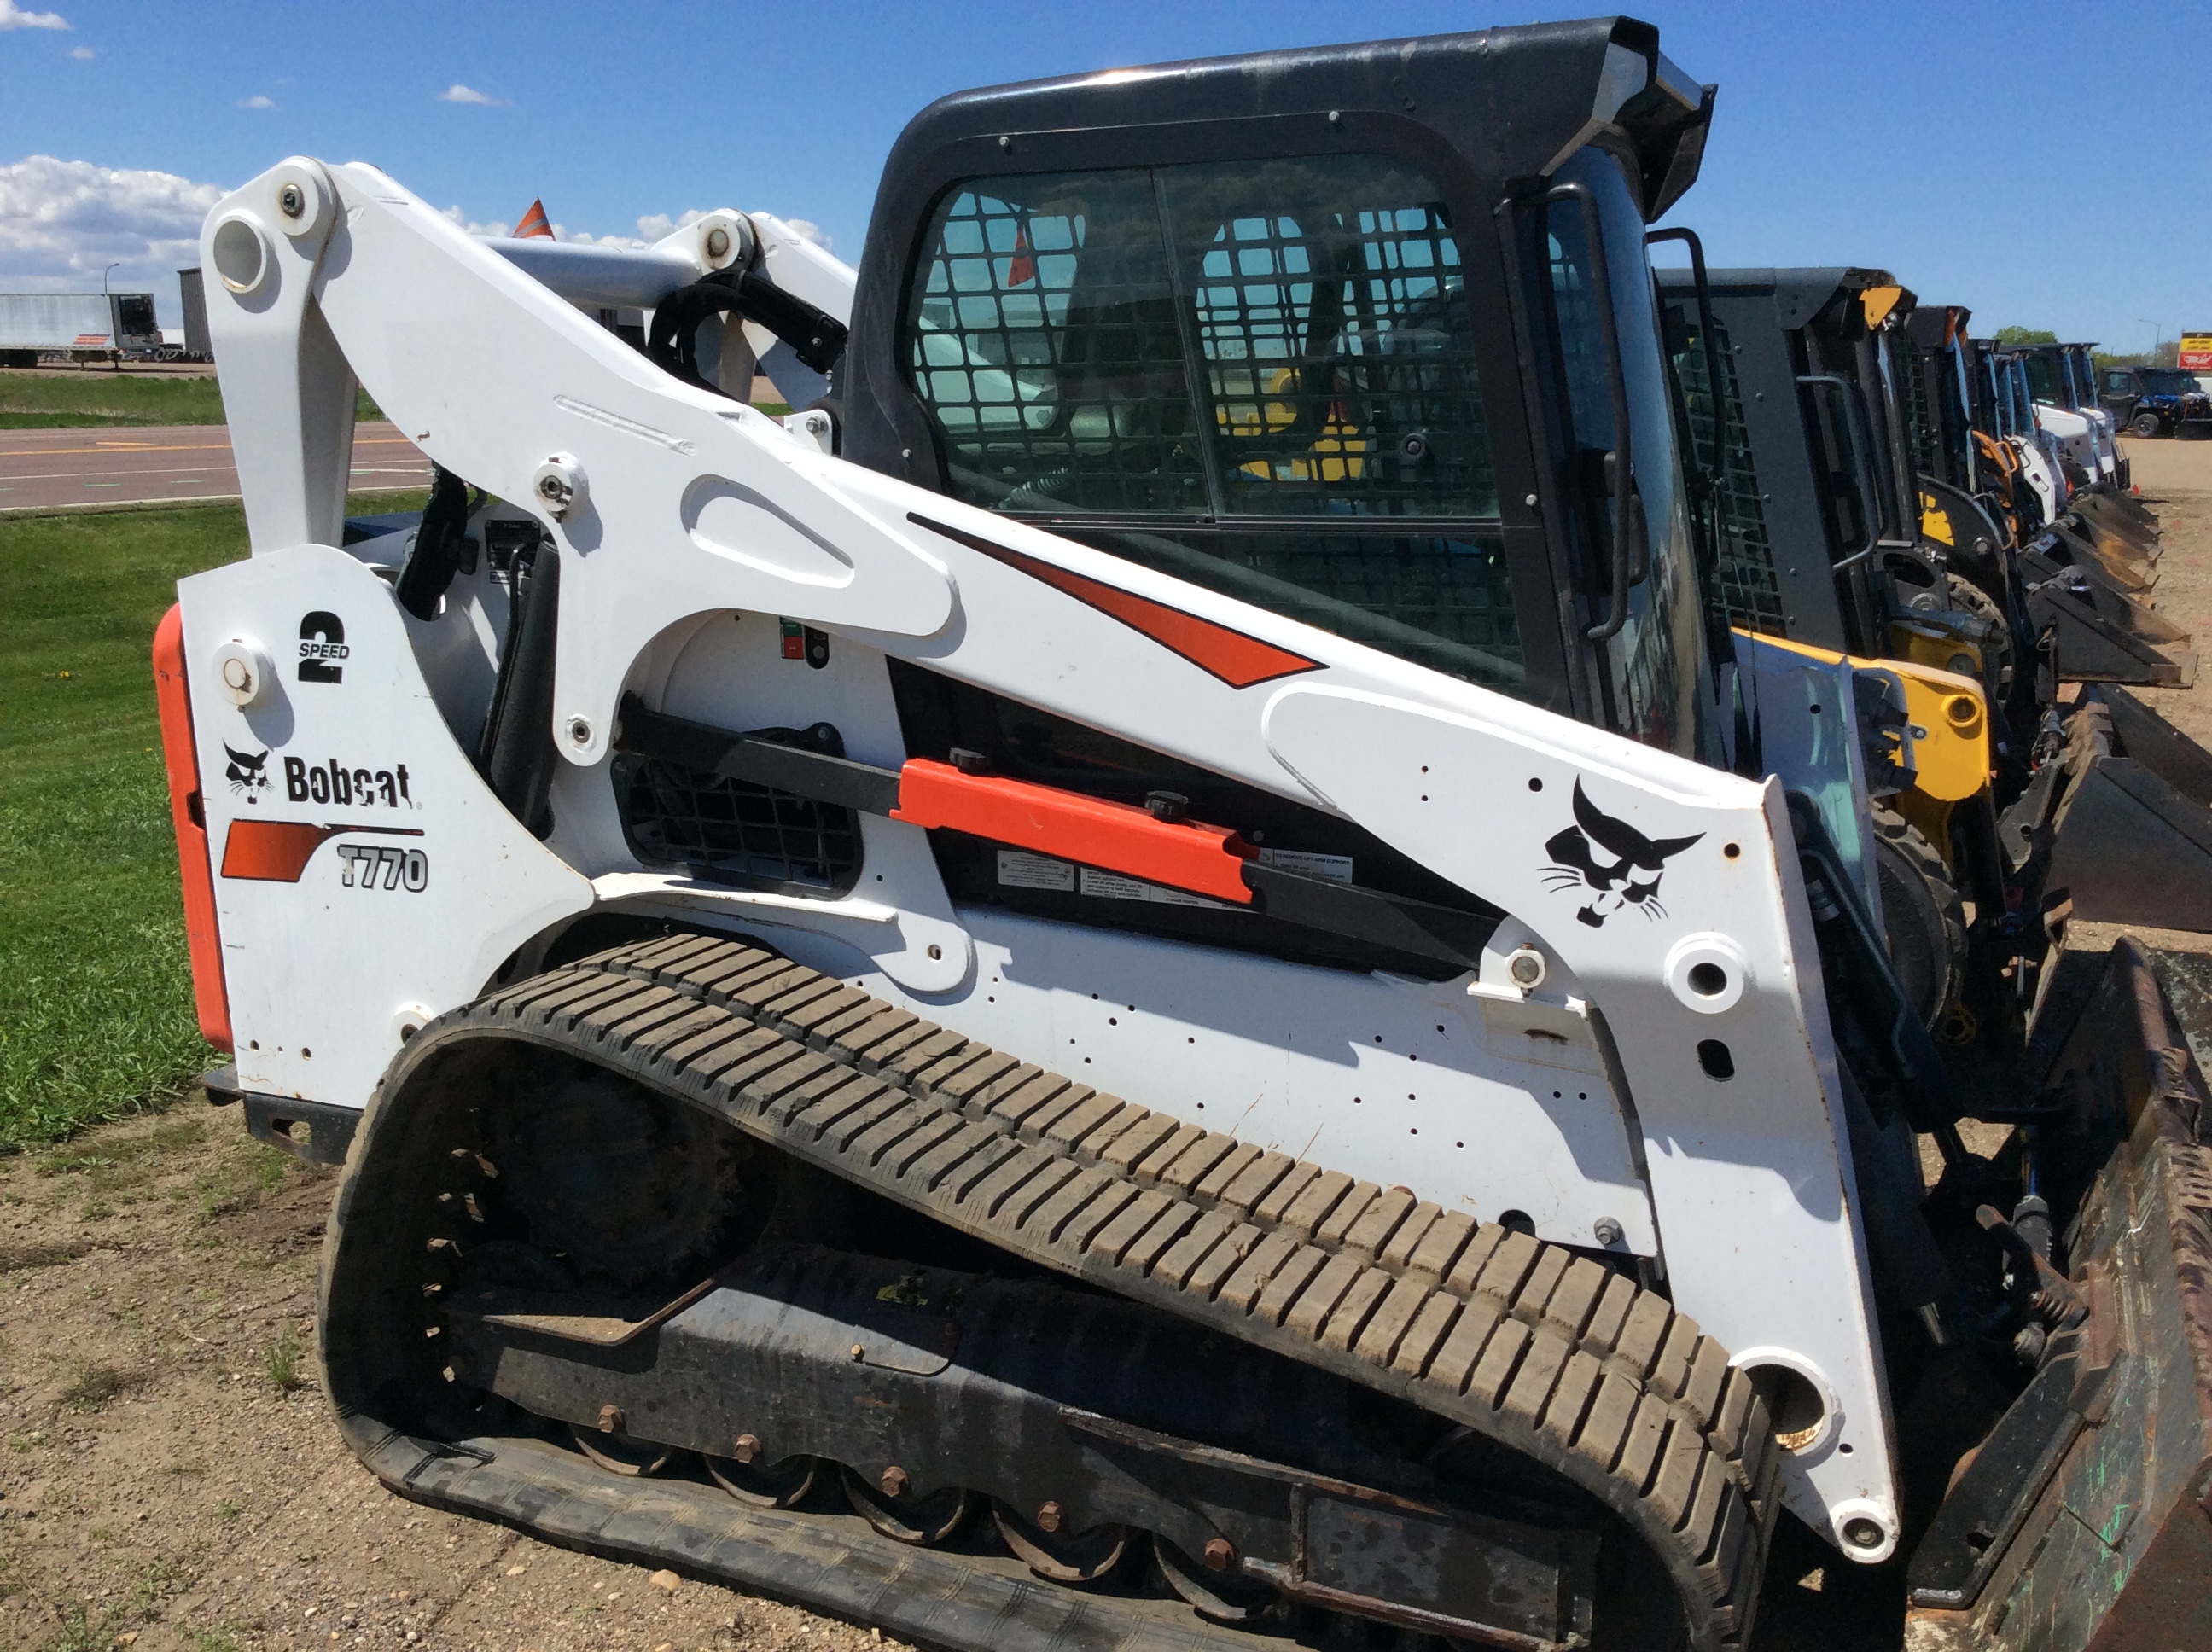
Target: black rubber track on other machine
<point>1550,1354</point>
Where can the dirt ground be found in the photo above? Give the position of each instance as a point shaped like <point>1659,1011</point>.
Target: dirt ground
<point>170,1477</point>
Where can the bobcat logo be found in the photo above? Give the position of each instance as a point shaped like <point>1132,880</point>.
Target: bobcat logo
<point>1632,878</point>
<point>246,772</point>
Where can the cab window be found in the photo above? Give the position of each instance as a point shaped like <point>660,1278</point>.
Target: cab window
<point>1258,376</point>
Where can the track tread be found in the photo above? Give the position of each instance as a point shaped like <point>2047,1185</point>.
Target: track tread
<point>1549,1351</point>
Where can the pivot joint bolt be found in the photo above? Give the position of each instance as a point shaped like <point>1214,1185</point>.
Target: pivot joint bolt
<point>1862,1534</point>
<point>747,1448</point>
<point>1220,1554</point>
<point>1527,968</point>
<point>560,485</point>
<point>611,1420</point>
<point>1049,1517</point>
<point>894,1481</point>
<point>1607,1232</point>
<point>718,242</point>
<point>292,200</point>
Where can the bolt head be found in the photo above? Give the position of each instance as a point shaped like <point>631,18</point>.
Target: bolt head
<point>549,488</point>
<point>236,674</point>
<point>580,730</point>
<point>718,242</point>
<point>894,1481</point>
<point>1527,968</point>
<point>292,200</point>
<point>611,1419</point>
<point>1862,1534</point>
<point>1220,1551</point>
<point>1049,1517</point>
<point>748,1447</point>
<point>1606,1231</point>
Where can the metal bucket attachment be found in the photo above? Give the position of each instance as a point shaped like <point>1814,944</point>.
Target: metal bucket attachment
<point>2085,1518</point>
<point>2104,558</point>
<point>2105,635</point>
<point>2115,517</point>
<point>2130,848</point>
<point>2140,732</point>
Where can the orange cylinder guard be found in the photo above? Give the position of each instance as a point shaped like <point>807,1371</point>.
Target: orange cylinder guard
<point>1112,836</point>
<point>186,812</point>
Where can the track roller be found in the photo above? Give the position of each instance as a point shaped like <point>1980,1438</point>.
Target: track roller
<point>1056,1554</point>
<point>769,1486</point>
<point>890,1506</point>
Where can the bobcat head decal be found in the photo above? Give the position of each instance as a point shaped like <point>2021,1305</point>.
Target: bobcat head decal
<point>1611,861</point>
<point>247,771</point>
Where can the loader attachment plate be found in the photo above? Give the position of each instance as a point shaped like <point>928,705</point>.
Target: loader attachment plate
<point>2115,1552</point>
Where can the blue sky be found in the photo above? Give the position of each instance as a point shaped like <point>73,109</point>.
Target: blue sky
<point>2039,161</point>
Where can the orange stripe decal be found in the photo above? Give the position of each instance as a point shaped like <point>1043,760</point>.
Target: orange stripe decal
<point>1238,660</point>
<point>278,851</point>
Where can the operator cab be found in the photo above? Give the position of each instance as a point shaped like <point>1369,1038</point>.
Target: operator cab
<point>1260,323</point>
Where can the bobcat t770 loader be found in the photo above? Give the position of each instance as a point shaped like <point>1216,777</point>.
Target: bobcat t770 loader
<point>1136,980</point>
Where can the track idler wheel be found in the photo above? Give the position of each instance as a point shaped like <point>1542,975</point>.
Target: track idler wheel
<point>765,1485</point>
<point>1059,1556</point>
<point>889,1505</point>
<point>618,1454</point>
<point>1220,1597</point>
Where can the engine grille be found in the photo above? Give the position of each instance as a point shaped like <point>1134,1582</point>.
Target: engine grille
<point>733,831</point>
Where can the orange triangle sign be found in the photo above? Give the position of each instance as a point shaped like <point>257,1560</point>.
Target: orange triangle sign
<point>534,226</point>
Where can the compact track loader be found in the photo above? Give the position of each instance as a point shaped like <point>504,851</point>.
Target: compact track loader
<point>1148,977</point>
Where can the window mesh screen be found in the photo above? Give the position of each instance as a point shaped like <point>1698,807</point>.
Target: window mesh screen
<point>733,831</point>
<point>1745,581</point>
<point>1208,344</point>
<point>1045,341</point>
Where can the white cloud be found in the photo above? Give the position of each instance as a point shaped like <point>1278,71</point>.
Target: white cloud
<point>657,226</point>
<point>807,230</point>
<point>456,92</point>
<point>257,101</point>
<point>83,54</point>
<point>12,17</point>
<point>495,230</point>
<point>61,222</point>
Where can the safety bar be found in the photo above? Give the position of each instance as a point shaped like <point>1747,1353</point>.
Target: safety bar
<point>1709,329</point>
<point>1861,442</point>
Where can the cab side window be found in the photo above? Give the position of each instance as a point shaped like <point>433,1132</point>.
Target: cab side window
<point>1258,376</point>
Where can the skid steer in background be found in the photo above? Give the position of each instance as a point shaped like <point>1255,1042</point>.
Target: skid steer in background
<point>2085,569</point>
<point>1819,551</point>
<point>1128,952</point>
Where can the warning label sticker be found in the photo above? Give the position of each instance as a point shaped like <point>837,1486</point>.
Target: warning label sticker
<point>1019,870</point>
<point>1112,886</point>
<point>1337,868</point>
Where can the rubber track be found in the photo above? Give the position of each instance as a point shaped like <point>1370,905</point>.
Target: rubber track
<point>1548,1352</point>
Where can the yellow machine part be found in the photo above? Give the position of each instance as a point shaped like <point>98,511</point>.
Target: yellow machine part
<point>1935,520</point>
<point>1935,648</point>
<point>1338,454</point>
<point>1879,301</point>
<point>1948,721</point>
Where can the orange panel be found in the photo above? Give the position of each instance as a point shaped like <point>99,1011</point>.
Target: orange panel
<point>1112,836</point>
<point>188,814</point>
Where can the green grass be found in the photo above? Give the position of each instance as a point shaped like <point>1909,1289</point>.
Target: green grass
<point>97,1017</point>
<point>50,400</point>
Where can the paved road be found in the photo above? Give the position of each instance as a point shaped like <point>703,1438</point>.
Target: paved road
<point>135,465</point>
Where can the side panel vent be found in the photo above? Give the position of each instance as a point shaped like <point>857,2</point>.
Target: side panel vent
<point>732,831</point>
